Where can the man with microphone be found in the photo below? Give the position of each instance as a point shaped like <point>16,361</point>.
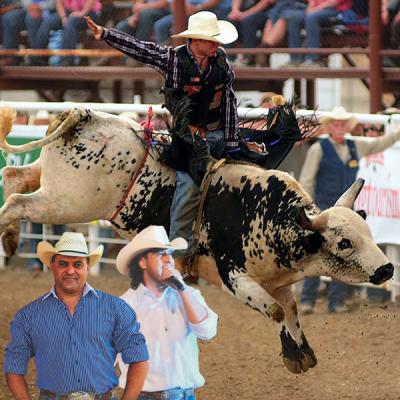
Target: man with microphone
<point>172,315</point>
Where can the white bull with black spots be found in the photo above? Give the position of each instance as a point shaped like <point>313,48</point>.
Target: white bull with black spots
<point>263,230</point>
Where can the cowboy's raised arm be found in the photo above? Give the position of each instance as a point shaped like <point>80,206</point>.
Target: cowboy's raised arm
<point>149,53</point>
<point>97,30</point>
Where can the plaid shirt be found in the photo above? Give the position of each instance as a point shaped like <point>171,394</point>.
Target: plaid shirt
<point>164,60</point>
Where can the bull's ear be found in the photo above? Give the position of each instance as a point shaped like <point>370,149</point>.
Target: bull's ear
<point>317,223</point>
<point>348,198</point>
<point>362,213</point>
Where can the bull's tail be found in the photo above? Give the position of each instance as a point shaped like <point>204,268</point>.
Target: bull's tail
<point>64,123</point>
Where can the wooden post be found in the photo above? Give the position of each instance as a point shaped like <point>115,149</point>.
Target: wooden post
<point>310,93</point>
<point>375,45</point>
<point>179,17</point>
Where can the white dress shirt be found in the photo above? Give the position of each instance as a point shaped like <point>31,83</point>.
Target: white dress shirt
<point>171,339</point>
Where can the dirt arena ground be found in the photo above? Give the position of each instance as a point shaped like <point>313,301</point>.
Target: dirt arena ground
<point>358,353</point>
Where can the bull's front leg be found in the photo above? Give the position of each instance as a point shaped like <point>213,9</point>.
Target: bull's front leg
<point>18,180</point>
<point>297,355</point>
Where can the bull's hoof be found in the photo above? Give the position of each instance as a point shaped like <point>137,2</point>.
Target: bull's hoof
<point>297,359</point>
<point>292,365</point>
<point>308,356</point>
<point>10,243</point>
<point>303,364</point>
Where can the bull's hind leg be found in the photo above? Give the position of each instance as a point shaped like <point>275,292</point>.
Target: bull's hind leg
<point>297,355</point>
<point>18,180</point>
<point>280,306</point>
<point>36,207</point>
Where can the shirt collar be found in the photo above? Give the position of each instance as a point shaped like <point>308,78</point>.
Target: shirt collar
<point>88,288</point>
<point>143,291</point>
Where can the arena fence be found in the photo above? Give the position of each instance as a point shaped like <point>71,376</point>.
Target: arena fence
<point>93,231</point>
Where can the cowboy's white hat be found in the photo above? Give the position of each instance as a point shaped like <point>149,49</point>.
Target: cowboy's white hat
<point>71,244</point>
<point>339,113</point>
<point>152,237</point>
<point>205,25</point>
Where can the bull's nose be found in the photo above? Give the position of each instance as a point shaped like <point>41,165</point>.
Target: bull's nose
<point>382,274</point>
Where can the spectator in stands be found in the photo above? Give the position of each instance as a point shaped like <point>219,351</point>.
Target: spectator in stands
<point>392,31</point>
<point>69,17</point>
<point>163,27</point>
<point>312,18</point>
<point>249,18</point>
<point>275,28</point>
<point>31,16</point>
<point>144,15</point>
<point>6,6</point>
<point>330,168</point>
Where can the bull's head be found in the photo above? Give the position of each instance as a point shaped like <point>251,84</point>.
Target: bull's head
<point>342,243</point>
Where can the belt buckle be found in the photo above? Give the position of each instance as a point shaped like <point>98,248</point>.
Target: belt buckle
<point>80,396</point>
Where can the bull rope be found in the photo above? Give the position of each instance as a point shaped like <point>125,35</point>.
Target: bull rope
<point>148,132</point>
<point>192,270</point>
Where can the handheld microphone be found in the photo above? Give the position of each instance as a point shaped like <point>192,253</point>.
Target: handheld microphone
<point>176,283</point>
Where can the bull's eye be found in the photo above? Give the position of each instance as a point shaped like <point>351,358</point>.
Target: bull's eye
<point>344,244</point>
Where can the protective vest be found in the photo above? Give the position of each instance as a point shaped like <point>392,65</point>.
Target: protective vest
<point>334,176</point>
<point>205,92</point>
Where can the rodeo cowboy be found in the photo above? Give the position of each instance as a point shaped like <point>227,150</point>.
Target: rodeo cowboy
<point>198,71</point>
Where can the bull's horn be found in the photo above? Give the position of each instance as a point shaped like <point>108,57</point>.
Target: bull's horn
<point>348,198</point>
<point>315,223</point>
<point>73,118</point>
<point>7,118</point>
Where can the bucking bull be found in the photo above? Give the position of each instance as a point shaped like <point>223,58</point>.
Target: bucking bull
<point>263,230</point>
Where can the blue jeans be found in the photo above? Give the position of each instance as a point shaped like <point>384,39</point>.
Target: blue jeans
<point>45,397</point>
<point>170,394</point>
<point>274,13</point>
<point>143,397</point>
<point>72,29</point>
<point>250,26</point>
<point>297,19</point>
<point>187,197</point>
<point>13,22</point>
<point>145,24</point>
<point>336,295</point>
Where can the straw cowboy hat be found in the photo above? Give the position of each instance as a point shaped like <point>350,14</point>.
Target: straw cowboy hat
<point>340,114</point>
<point>205,25</point>
<point>152,237</point>
<point>71,244</point>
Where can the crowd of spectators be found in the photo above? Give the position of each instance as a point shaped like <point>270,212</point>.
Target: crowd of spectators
<point>58,24</point>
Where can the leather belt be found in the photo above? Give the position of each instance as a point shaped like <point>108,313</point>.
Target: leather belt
<point>76,395</point>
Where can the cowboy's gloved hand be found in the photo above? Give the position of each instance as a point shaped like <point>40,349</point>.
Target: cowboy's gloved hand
<point>258,148</point>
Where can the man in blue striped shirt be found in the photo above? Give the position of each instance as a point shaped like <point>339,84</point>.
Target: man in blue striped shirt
<point>74,332</point>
